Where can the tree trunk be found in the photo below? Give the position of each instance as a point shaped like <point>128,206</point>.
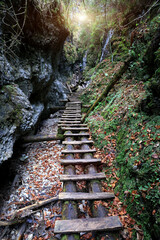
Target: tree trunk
<point>109,86</point>
<point>30,139</point>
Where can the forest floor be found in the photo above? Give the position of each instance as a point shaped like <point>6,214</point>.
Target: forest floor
<point>38,179</point>
<point>128,141</point>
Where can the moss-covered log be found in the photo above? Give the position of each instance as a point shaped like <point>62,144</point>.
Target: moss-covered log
<point>109,86</point>
<point>41,138</point>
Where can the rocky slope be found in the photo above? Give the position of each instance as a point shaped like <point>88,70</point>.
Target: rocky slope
<point>31,39</point>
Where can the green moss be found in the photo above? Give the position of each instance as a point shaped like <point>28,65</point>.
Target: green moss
<point>75,236</point>
<point>70,52</point>
<point>60,136</point>
<point>17,114</point>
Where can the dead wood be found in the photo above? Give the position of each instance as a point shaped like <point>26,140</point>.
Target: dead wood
<point>19,215</point>
<point>109,86</point>
<point>40,138</point>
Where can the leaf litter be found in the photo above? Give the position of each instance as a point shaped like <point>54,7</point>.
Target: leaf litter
<point>40,180</point>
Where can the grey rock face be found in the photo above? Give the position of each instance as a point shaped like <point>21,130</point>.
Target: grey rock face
<point>26,71</point>
<point>16,117</point>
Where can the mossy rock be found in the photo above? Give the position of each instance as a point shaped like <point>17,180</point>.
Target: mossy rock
<point>70,52</point>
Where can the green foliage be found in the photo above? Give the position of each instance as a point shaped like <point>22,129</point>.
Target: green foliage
<point>138,150</point>
<point>70,52</point>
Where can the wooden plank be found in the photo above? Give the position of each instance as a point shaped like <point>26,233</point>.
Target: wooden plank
<point>87,225</point>
<point>85,196</point>
<point>40,138</point>
<point>75,102</point>
<point>70,111</point>
<point>86,106</point>
<point>72,125</point>
<point>74,129</point>
<point>76,134</point>
<point>82,177</point>
<point>71,115</point>
<point>77,142</point>
<point>62,121</point>
<point>80,161</point>
<point>73,108</point>
<point>63,100</point>
<point>70,119</point>
<point>78,151</point>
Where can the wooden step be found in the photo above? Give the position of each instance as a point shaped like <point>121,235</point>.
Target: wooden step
<point>72,115</point>
<point>72,125</point>
<point>83,177</point>
<point>87,225</point>
<point>75,129</point>
<point>73,108</point>
<point>63,100</point>
<point>80,161</point>
<point>86,106</point>
<point>85,196</point>
<point>75,102</point>
<point>76,134</point>
<point>73,105</point>
<point>77,142</point>
<point>70,119</point>
<point>78,151</point>
<point>62,121</point>
<point>72,112</point>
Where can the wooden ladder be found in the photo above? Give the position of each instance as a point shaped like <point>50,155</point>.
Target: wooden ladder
<point>76,136</point>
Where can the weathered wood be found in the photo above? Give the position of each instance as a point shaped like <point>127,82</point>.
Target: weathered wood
<point>80,161</point>
<point>76,134</point>
<point>87,225</point>
<point>16,215</point>
<point>72,112</point>
<point>75,102</point>
<point>72,125</point>
<point>85,196</point>
<point>71,115</point>
<point>40,138</point>
<point>21,231</point>
<point>73,108</point>
<point>69,88</point>
<point>109,86</point>
<point>71,119</point>
<point>64,121</point>
<point>82,177</point>
<point>63,100</point>
<point>69,209</point>
<point>86,106</point>
<point>78,151</point>
<point>75,129</point>
<point>77,142</point>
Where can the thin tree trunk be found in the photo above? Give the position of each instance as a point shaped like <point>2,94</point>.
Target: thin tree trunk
<point>109,87</point>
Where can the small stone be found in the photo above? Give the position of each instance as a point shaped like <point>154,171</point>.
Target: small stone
<point>30,237</point>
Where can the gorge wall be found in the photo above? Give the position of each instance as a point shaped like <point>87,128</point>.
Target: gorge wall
<point>31,41</point>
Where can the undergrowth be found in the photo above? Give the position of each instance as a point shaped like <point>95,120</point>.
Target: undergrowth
<point>129,134</point>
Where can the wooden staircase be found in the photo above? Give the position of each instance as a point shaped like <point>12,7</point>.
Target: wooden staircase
<point>76,142</point>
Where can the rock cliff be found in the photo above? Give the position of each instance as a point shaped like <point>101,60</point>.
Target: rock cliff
<point>31,40</point>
